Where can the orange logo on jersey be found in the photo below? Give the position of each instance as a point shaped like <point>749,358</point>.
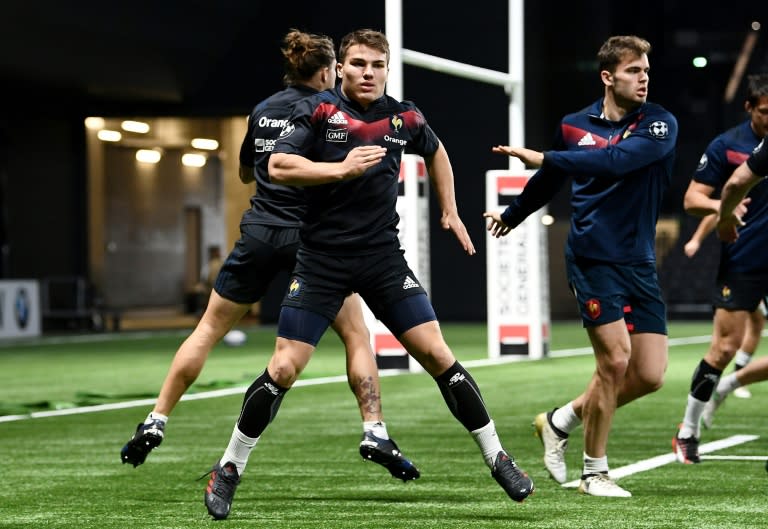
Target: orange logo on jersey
<point>725,292</point>
<point>593,308</point>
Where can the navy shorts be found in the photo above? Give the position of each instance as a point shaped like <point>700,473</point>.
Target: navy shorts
<point>608,292</point>
<point>258,256</point>
<point>320,282</point>
<point>739,291</point>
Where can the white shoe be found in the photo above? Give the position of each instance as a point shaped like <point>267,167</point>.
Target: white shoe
<point>708,415</point>
<point>602,485</point>
<point>742,392</point>
<point>554,447</point>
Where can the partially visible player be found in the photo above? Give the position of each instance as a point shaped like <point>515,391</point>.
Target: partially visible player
<point>746,176</point>
<point>742,276</point>
<point>717,163</point>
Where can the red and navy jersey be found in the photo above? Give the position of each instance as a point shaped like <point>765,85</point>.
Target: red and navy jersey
<point>619,172</point>
<point>722,156</point>
<point>357,214</point>
<point>273,204</point>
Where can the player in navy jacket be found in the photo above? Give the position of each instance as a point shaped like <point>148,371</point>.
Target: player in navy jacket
<point>619,154</point>
<point>731,222</point>
<point>742,276</point>
<point>345,147</point>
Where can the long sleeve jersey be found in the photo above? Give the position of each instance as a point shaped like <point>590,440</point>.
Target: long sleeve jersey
<point>619,172</point>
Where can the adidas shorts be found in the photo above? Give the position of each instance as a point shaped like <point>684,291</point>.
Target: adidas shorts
<point>258,256</point>
<point>608,292</point>
<point>320,282</point>
<point>740,292</point>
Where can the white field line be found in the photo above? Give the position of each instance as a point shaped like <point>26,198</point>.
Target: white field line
<point>299,383</point>
<point>665,459</point>
<point>736,458</point>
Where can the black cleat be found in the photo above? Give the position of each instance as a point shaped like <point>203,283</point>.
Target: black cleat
<point>512,479</point>
<point>686,449</point>
<point>146,438</point>
<point>386,453</point>
<point>221,489</point>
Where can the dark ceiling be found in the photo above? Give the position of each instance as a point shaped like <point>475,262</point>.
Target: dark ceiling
<point>220,57</point>
<point>168,56</point>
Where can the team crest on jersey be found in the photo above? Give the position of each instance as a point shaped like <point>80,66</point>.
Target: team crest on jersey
<point>725,293</point>
<point>702,162</point>
<point>396,123</point>
<point>294,288</point>
<point>287,130</point>
<point>593,308</point>
<point>659,129</point>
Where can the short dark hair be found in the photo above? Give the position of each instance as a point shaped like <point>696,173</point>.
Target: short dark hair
<point>367,37</point>
<point>757,87</point>
<point>613,50</point>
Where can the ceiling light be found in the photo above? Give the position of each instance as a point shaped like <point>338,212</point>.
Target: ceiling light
<point>148,155</point>
<point>699,62</point>
<point>193,160</point>
<point>94,123</point>
<point>109,135</point>
<point>135,126</point>
<point>205,144</point>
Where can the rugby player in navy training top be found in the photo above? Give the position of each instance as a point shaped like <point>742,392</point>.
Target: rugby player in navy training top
<point>731,220</point>
<point>717,163</point>
<point>345,146</point>
<point>619,153</point>
<point>268,243</point>
<point>742,277</point>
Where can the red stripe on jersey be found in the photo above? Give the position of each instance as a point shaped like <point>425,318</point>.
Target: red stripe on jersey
<point>735,157</point>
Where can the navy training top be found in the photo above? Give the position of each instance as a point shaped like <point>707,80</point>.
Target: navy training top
<point>273,204</point>
<point>722,156</point>
<point>619,173</point>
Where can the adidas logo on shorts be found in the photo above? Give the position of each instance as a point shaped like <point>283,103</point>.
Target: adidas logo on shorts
<point>409,283</point>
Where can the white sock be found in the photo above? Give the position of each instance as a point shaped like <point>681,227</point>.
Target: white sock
<point>238,450</point>
<point>489,443</point>
<point>565,419</point>
<point>377,428</point>
<point>595,465</point>
<point>741,359</point>
<point>691,420</point>
<point>154,416</point>
<point>727,384</point>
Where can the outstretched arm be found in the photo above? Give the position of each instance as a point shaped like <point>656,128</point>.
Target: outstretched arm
<point>441,175</point>
<point>539,190</point>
